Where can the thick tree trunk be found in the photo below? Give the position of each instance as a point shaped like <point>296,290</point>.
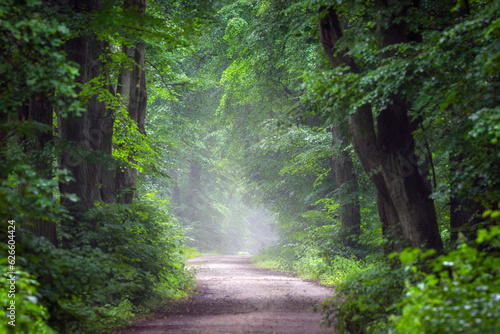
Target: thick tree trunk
<point>38,109</point>
<point>88,134</point>
<point>390,151</point>
<point>407,187</point>
<point>347,182</point>
<point>91,131</point>
<point>132,88</point>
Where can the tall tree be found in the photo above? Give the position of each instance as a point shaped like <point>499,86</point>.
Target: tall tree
<point>347,183</point>
<point>132,90</point>
<point>386,153</point>
<point>93,129</point>
<point>35,79</point>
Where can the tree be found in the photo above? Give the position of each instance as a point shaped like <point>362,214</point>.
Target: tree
<point>347,183</point>
<point>36,78</point>
<point>132,90</point>
<point>404,198</point>
<point>92,130</point>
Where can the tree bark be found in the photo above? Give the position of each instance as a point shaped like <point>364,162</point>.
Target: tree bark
<point>92,131</point>
<point>88,137</point>
<point>40,110</point>
<point>347,183</point>
<point>132,88</point>
<point>389,152</point>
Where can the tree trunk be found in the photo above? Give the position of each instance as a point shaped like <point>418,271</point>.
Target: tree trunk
<point>40,110</point>
<point>391,228</point>
<point>92,131</point>
<point>88,137</point>
<point>132,88</point>
<point>407,187</point>
<point>347,183</point>
<point>390,151</point>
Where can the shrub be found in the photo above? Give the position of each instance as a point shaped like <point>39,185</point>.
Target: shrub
<point>146,245</point>
<point>122,260</point>
<point>458,292</point>
<point>364,301</point>
<point>30,316</point>
<point>74,284</point>
<point>461,294</point>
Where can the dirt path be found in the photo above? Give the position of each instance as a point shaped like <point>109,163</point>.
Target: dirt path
<point>236,297</point>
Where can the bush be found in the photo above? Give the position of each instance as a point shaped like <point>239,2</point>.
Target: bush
<point>74,284</point>
<point>122,260</point>
<point>460,295</point>
<point>30,316</point>
<point>363,302</point>
<point>146,245</point>
<point>458,292</point>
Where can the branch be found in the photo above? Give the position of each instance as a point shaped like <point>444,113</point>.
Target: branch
<point>288,91</point>
<point>169,85</point>
<point>430,158</point>
<point>329,34</point>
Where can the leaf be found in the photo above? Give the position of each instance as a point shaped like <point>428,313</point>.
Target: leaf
<point>409,255</point>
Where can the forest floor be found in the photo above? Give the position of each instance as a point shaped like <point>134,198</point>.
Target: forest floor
<point>234,296</point>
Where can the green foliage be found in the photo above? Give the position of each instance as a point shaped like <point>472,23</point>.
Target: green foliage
<point>25,194</point>
<point>144,242</point>
<point>31,60</point>
<point>71,283</point>
<point>456,292</point>
<point>462,288</point>
<point>331,271</point>
<point>364,301</point>
<point>29,316</point>
<point>132,147</point>
<point>308,263</point>
<point>113,271</point>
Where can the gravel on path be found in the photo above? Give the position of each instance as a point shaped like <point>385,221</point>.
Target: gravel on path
<point>234,296</point>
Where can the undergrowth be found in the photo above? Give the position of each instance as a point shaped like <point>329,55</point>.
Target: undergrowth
<point>122,261</point>
<point>310,265</point>
<point>416,292</point>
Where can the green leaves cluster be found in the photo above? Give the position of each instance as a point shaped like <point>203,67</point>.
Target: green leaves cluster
<point>456,292</point>
<point>30,315</point>
<point>32,62</point>
<point>462,287</point>
<point>112,272</point>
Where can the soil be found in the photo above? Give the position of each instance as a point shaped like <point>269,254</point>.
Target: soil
<point>234,296</point>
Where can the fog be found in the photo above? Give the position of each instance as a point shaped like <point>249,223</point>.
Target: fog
<point>218,214</point>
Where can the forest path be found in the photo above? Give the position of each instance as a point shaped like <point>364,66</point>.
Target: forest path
<point>234,296</point>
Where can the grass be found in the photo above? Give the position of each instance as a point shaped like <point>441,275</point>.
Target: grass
<point>311,266</point>
<point>262,262</point>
